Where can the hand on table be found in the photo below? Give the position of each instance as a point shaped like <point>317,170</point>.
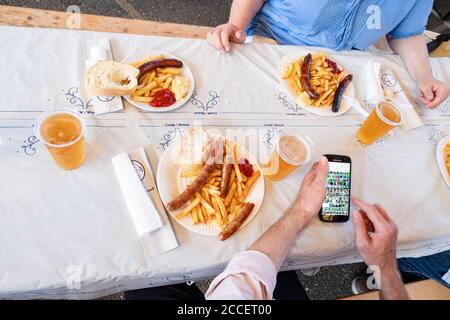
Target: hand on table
<point>432,92</point>
<point>376,235</point>
<point>221,36</point>
<point>311,194</point>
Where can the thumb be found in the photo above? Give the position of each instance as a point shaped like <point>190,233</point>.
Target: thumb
<point>427,92</point>
<point>322,169</point>
<point>239,36</point>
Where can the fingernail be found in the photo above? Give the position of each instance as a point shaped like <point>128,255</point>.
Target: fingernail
<point>323,160</point>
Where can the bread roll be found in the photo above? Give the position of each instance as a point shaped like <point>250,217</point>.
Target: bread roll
<point>110,78</point>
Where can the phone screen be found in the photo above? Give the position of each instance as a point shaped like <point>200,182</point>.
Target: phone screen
<point>337,198</point>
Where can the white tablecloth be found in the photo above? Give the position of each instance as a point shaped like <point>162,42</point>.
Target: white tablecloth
<point>68,234</point>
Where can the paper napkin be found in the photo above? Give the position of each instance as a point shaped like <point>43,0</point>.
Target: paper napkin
<point>144,204</point>
<point>381,83</point>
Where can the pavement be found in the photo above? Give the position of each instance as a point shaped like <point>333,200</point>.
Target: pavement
<point>198,12</point>
<point>330,282</point>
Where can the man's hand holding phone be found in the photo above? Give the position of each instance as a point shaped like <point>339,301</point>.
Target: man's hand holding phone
<point>376,241</point>
<point>310,197</point>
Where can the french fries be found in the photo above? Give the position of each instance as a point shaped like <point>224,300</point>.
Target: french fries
<point>230,194</point>
<point>323,78</point>
<point>447,156</point>
<point>154,81</point>
<point>250,183</point>
<point>208,205</point>
<point>188,209</point>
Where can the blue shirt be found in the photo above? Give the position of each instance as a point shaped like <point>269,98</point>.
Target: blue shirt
<point>339,24</point>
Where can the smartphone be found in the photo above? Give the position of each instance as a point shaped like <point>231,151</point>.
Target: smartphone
<point>336,206</point>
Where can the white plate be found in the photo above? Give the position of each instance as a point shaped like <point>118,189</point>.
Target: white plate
<point>324,111</point>
<point>441,159</point>
<point>185,70</point>
<point>170,185</point>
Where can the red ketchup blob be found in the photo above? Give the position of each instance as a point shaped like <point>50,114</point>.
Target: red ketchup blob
<point>245,167</point>
<point>163,98</point>
<point>333,66</point>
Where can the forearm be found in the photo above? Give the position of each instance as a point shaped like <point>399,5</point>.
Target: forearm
<point>242,11</point>
<point>391,285</point>
<point>279,238</point>
<point>414,54</point>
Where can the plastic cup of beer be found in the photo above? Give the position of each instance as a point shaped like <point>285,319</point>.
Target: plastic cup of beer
<point>383,118</point>
<point>291,152</point>
<point>62,133</point>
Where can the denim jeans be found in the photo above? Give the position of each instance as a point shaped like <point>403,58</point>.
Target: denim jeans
<point>433,267</point>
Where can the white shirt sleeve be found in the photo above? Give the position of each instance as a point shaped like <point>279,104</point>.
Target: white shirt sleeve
<point>250,275</point>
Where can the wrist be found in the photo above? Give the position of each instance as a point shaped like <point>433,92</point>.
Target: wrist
<point>240,25</point>
<point>389,271</point>
<point>424,81</point>
<point>422,77</point>
<point>238,21</point>
<point>298,218</point>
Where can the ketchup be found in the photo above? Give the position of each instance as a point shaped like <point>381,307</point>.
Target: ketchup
<point>245,167</point>
<point>163,98</point>
<point>333,66</point>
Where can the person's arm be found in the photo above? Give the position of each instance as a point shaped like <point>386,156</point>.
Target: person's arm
<point>278,240</point>
<point>252,274</point>
<point>242,11</point>
<point>413,51</point>
<point>376,239</point>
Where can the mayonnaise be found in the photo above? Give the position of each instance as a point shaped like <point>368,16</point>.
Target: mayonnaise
<point>180,87</point>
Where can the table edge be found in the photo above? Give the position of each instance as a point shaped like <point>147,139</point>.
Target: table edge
<point>39,18</point>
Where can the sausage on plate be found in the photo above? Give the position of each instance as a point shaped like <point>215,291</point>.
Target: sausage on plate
<point>161,63</point>
<point>226,175</point>
<point>305,77</point>
<point>237,222</point>
<point>195,186</point>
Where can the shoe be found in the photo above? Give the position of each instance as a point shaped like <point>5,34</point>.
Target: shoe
<point>360,285</point>
<point>310,272</point>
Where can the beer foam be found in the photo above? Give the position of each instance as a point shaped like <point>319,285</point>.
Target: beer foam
<point>293,149</point>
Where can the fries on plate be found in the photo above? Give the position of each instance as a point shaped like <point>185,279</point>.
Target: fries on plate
<point>324,79</point>
<point>160,86</point>
<point>205,203</point>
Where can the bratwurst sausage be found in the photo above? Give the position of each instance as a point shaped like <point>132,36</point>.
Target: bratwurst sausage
<point>202,178</point>
<point>237,222</point>
<point>161,63</point>
<point>305,77</point>
<point>195,186</point>
<point>340,92</point>
<point>226,175</point>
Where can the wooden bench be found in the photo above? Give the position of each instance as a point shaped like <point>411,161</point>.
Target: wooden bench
<point>26,17</point>
<point>421,290</point>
